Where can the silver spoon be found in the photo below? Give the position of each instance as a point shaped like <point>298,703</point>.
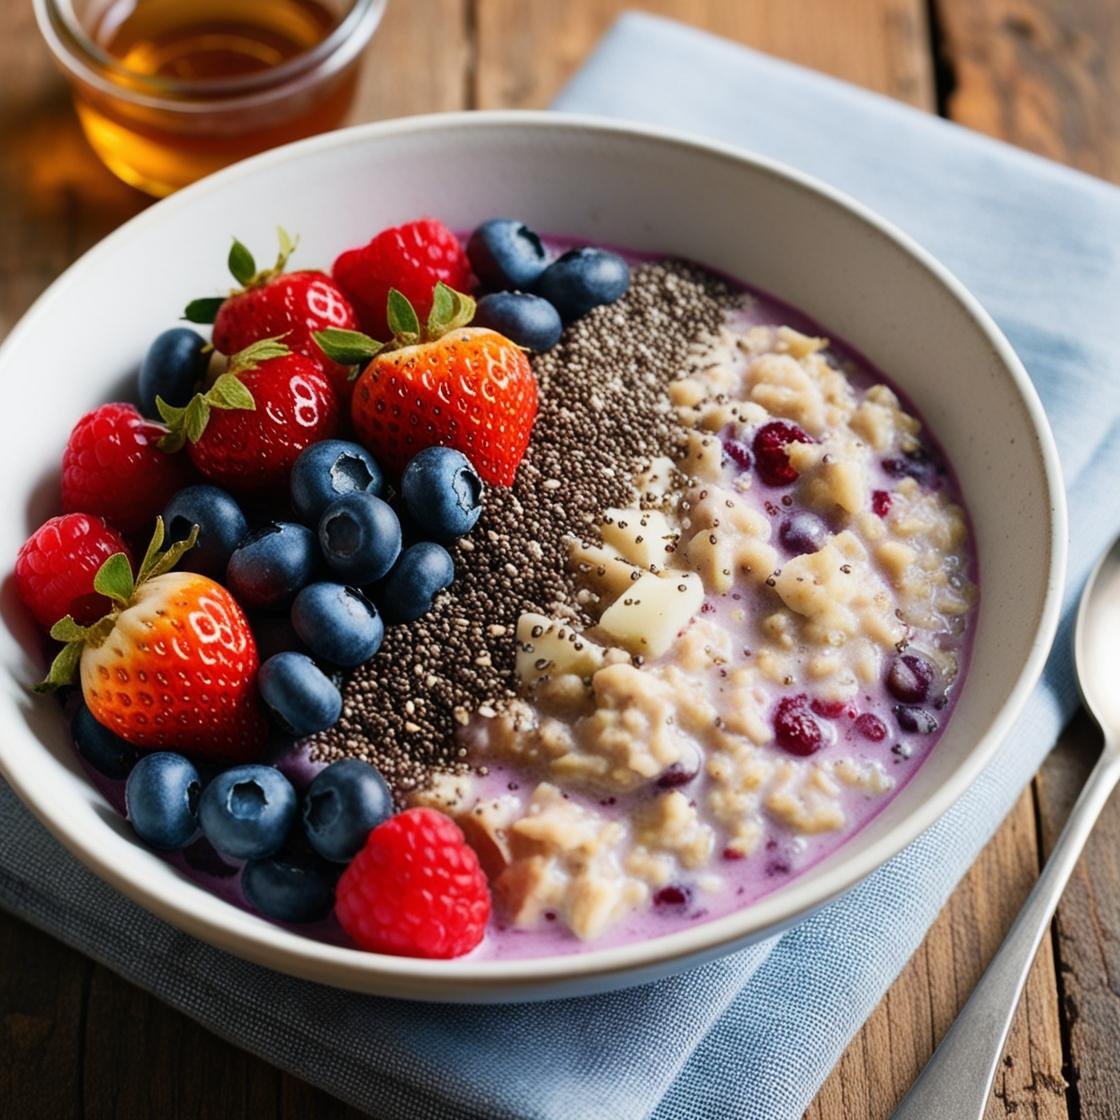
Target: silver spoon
<point>958,1079</point>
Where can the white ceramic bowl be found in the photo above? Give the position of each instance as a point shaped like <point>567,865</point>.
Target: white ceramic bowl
<point>637,187</point>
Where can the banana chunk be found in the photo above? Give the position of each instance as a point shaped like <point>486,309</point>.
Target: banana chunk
<point>547,647</point>
<point>640,536</point>
<point>647,617</point>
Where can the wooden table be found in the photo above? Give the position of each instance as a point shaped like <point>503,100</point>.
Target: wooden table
<point>75,1040</point>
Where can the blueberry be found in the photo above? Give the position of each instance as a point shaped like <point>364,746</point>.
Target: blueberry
<point>583,279</point>
<point>360,537</point>
<point>525,319</point>
<point>420,574</point>
<point>803,532</point>
<point>272,564</point>
<point>506,254</point>
<point>221,527</point>
<point>161,800</point>
<point>248,811</point>
<point>915,719</point>
<point>291,887</point>
<point>172,368</point>
<point>327,470</point>
<point>337,623</point>
<point>442,492</point>
<point>107,753</point>
<point>299,694</point>
<point>910,678</point>
<point>342,805</point>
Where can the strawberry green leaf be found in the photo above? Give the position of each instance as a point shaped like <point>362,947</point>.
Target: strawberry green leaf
<point>402,318</point>
<point>288,246</point>
<point>67,630</point>
<point>196,418</point>
<point>230,392</point>
<point>167,560</point>
<point>203,310</point>
<point>348,348</point>
<point>241,264</point>
<point>114,579</point>
<point>64,668</point>
<point>258,352</point>
<point>443,308</point>
<point>151,555</point>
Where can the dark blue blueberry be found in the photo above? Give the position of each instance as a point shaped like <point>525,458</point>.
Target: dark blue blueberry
<point>272,564</point>
<point>161,800</point>
<point>422,572</point>
<point>300,696</point>
<point>248,811</point>
<point>917,720</point>
<point>506,254</point>
<point>172,368</point>
<point>910,677</point>
<point>327,470</point>
<point>360,537</point>
<point>528,320</point>
<point>273,633</point>
<point>337,623</point>
<point>442,492</point>
<point>803,532</point>
<point>918,464</point>
<point>342,805</point>
<point>291,887</point>
<point>107,753</point>
<point>221,527</point>
<point>583,279</point>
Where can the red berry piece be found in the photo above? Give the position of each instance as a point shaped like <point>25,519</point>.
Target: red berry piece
<point>672,897</point>
<point>880,502</point>
<point>56,566</point>
<point>112,466</point>
<point>795,728</point>
<point>737,452</point>
<point>871,727</point>
<point>770,451</point>
<point>415,890</point>
<point>411,258</point>
<point>832,709</point>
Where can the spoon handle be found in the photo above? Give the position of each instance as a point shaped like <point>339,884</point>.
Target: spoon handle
<point>959,1076</point>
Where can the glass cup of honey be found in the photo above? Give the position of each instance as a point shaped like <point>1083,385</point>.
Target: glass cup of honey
<point>168,91</point>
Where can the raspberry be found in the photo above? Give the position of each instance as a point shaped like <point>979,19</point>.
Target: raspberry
<point>415,890</point>
<point>795,728</point>
<point>871,727</point>
<point>880,502</point>
<point>770,451</point>
<point>832,709</point>
<point>56,566</point>
<point>410,258</point>
<point>112,467</point>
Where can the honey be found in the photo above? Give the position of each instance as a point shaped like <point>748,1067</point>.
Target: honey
<point>168,91</point>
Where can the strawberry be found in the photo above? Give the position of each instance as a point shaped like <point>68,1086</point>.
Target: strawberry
<point>272,303</point>
<point>173,665</point>
<point>447,383</point>
<point>248,428</point>
<point>412,258</point>
<point>415,890</point>
<point>56,565</point>
<point>112,466</point>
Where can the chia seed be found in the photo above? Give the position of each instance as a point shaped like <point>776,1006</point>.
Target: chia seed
<point>602,418</point>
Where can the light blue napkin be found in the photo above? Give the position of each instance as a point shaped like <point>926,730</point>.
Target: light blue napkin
<point>755,1034</point>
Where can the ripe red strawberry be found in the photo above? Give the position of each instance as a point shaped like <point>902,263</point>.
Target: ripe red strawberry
<point>415,890</point>
<point>412,258</point>
<point>173,665</point>
<point>56,565</point>
<point>248,428</point>
<point>112,466</point>
<point>271,304</point>
<point>449,384</point>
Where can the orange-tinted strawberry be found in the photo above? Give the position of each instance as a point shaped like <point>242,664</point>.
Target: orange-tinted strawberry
<point>446,383</point>
<point>172,666</point>
<point>245,432</point>
<point>272,303</point>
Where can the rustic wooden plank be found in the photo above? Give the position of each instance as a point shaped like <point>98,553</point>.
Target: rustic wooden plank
<point>1088,929</point>
<point>42,993</point>
<point>1043,74</point>
<point>527,51</point>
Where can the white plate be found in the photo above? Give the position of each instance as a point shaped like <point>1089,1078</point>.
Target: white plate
<point>636,187</point>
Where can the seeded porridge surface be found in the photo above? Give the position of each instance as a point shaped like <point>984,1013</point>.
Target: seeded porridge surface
<point>603,415</point>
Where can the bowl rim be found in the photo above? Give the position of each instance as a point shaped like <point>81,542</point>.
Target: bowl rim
<point>249,936</point>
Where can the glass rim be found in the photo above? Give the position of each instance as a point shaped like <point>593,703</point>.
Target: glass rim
<point>86,61</point>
